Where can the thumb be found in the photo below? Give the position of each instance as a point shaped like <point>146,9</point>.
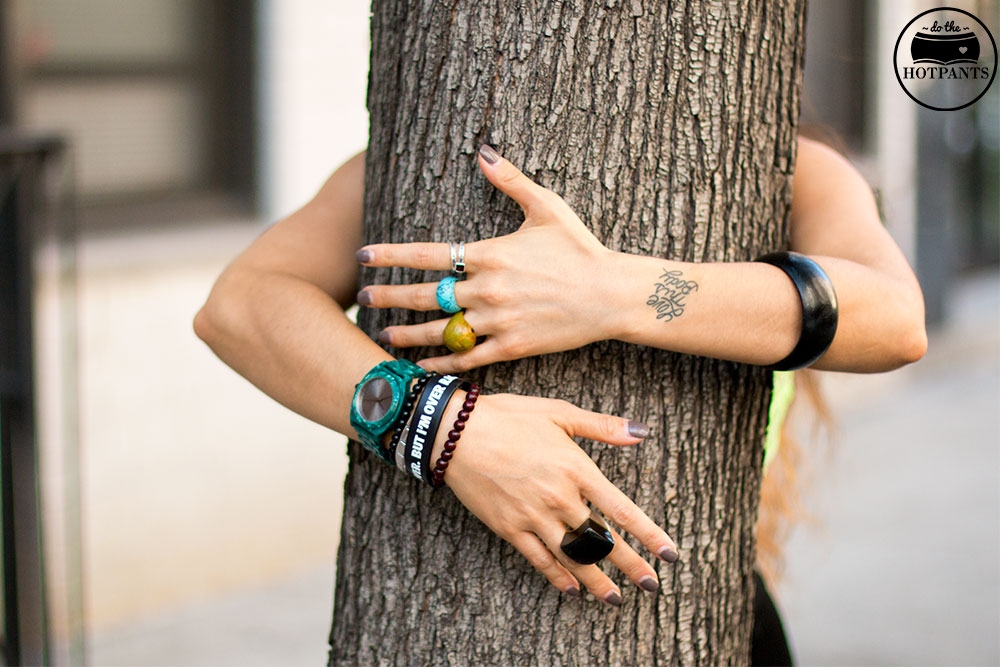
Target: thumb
<point>509,179</point>
<point>605,428</point>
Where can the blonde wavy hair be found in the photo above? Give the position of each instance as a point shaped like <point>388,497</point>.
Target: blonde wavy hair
<point>780,498</point>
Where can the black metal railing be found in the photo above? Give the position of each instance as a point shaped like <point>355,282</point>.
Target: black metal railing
<point>23,159</point>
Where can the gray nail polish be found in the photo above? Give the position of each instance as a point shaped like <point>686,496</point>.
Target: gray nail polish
<point>669,555</point>
<point>613,598</point>
<point>385,337</point>
<point>638,429</point>
<point>649,583</point>
<point>489,153</point>
<point>364,298</point>
<point>364,256</point>
<point>572,592</point>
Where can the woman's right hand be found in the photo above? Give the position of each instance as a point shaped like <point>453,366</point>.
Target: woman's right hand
<point>518,469</point>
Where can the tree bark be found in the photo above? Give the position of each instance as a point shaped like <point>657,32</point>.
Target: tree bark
<point>669,127</point>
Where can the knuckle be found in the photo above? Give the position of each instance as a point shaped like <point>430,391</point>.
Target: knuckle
<point>505,525</point>
<point>542,559</point>
<point>563,406</point>
<point>492,295</point>
<point>515,346</point>
<point>552,497</point>
<point>510,175</point>
<point>423,256</point>
<point>424,300</point>
<point>636,568</point>
<point>548,198</point>
<point>461,363</point>
<point>581,470</point>
<point>566,411</point>
<point>483,253</point>
<point>607,426</point>
<point>623,513</point>
<point>431,337</point>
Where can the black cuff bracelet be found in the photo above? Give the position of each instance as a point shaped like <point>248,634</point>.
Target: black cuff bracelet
<point>819,308</point>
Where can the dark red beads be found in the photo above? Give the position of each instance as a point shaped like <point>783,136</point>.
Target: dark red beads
<point>437,476</point>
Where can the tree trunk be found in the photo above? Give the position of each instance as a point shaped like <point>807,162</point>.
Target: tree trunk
<point>669,128</point>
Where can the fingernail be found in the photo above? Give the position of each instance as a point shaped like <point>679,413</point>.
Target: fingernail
<point>572,591</point>
<point>669,555</point>
<point>364,255</point>
<point>489,153</point>
<point>613,598</point>
<point>638,429</point>
<point>385,337</point>
<point>364,298</point>
<point>649,583</point>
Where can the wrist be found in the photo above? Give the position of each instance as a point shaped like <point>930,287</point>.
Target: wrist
<point>597,302</point>
<point>450,415</point>
<point>444,454</point>
<point>619,290</point>
<point>415,449</point>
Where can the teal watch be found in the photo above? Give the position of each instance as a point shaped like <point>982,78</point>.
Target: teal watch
<point>378,400</point>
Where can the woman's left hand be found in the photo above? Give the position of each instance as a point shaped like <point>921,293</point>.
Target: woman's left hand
<point>545,288</point>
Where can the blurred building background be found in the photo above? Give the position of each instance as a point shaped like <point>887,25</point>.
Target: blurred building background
<point>190,520</point>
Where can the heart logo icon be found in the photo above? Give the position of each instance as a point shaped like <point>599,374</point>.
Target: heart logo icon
<point>963,49</point>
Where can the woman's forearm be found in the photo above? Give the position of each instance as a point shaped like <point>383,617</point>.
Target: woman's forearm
<point>750,312</point>
<point>291,340</point>
<point>552,286</point>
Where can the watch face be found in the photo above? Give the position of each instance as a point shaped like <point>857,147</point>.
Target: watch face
<point>374,399</point>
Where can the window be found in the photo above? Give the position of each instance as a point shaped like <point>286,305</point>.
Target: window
<point>154,97</point>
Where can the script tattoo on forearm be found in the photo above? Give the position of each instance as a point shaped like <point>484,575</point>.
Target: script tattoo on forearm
<point>670,293</point>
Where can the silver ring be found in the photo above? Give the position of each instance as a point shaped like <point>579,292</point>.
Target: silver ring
<point>458,258</point>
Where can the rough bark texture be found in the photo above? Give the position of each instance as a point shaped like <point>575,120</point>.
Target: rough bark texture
<point>669,127</point>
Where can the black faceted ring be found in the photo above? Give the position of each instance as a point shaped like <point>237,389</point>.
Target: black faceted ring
<point>589,543</point>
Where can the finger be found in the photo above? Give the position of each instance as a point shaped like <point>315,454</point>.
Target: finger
<point>426,256</point>
<point>619,508</point>
<point>591,576</point>
<point>542,559</point>
<point>604,428</point>
<point>422,296</point>
<point>487,352</point>
<point>427,334</point>
<point>635,567</point>
<point>510,180</point>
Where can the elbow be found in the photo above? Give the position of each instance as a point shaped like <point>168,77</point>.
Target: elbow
<point>210,322</point>
<point>913,343</point>
<point>895,337</point>
<point>909,342</point>
<point>203,324</point>
<point>913,336</point>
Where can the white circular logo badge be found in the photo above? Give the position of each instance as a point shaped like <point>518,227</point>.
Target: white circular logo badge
<point>945,59</point>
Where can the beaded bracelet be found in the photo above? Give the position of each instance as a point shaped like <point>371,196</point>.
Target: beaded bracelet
<point>404,416</point>
<point>437,476</point>
<point>819,308</point>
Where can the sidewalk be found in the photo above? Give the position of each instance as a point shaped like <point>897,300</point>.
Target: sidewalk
<point>903,566</point>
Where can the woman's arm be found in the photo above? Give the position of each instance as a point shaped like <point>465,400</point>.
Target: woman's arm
<point>276,315</point>
<point>553,286</point>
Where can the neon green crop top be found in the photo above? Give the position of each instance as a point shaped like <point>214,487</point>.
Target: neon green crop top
<point>782,393</point>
